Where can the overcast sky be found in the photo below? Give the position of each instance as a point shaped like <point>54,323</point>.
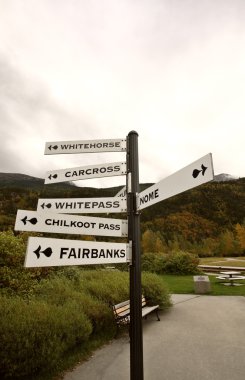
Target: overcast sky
<point>173,70</point>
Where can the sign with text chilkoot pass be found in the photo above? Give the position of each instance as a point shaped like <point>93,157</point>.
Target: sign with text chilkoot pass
<point>46,252</point>
<point>85,146</point>
<point>69,224</point>
<point>86,172</point>
<point>195,174</point>
<point>83,205</point>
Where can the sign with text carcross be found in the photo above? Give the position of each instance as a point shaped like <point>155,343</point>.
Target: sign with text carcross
<point>86,172</point>
<point>83,205</point>
<point>85,146</point>
<point>69,224</point>
<point>46,252</point>
<point>195,174</point>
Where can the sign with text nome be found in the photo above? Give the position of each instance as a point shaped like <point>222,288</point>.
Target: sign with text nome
<point>83,205</point>
<point>195,174</point>
<point>46,252</point>
<point>85,172</point>
<point>69,224</point>
<point>85,146</point>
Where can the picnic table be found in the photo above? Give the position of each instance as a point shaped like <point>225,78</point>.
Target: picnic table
<point>231,276</point>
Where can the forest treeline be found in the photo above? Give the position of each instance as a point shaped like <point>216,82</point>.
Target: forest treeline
<point>207,220</point>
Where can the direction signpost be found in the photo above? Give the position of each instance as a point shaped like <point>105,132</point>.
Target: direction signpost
<point>69,224</point>
<point>85,146</point>
<point>85,172</point>
<point>136,340</point>
<point>46,252</point>
<point>52,217</point>
<point>83,205</point>
<point>195,174</point>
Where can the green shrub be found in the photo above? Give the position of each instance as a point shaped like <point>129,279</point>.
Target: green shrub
<point>177,262</point>
<point>62,313</point>
<point>35,335</point>
<point>155,290</point>
<point>153,262</point>
<point>60,291</point>
<point>14,278</point>
<point>181,263</point>
<point>113,287</point>
<point>108,286</point>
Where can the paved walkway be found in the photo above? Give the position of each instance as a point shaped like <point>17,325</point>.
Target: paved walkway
<point>200,337</point>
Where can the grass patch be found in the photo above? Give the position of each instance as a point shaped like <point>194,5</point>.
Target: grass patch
<point>185,285</point>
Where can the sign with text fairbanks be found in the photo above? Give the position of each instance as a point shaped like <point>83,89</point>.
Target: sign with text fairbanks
<point>46,252</point>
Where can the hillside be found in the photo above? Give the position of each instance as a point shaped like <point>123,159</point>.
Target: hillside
<point>193,216</point>
<point>10,180</point>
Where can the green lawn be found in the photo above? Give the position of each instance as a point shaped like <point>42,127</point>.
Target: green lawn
<point>185,284</point>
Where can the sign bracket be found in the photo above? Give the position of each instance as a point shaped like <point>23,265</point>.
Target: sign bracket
<point>129,253</point>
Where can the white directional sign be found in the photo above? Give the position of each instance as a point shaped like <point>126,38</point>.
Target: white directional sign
<point>195,174</point>
<point>85,146</point>
<point>86,172</point>
<point>69,224</point>
<point>83,205</point>
<point>122,193</point>
<point>46,252</point>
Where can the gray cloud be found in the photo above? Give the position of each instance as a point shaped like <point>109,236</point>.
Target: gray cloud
<point>172,70</point>
<point>28,114</point>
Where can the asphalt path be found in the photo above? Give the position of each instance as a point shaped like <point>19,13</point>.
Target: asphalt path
<point>200,337</point>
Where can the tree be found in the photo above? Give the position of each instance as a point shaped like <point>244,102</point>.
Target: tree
<point>228,245</point>
<point>148,241</point>
<point>240,235</point>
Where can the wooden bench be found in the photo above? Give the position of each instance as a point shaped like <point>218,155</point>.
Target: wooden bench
<point>122,311</point>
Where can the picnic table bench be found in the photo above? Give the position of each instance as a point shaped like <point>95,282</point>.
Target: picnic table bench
<point>122,311</point>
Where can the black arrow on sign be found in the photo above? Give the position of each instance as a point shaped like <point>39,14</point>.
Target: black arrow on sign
<point>54,147</point>
<point>47,252</point>
<point>196,172</point>
<point>53,176</point>
<point>47,205</point>
<point>32,220</point>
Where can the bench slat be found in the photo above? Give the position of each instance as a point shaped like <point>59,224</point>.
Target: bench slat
<point>122,311</point>
<point>148,309</point>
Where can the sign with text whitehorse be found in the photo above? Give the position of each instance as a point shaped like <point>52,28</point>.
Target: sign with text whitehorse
<point>83,205</point>
<point>195,174</point>
<point>86,172</point>
<point>85,146</point>
<point>69,224</point>
<point>46,252</point>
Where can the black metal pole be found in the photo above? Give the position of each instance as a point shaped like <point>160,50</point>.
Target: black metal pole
<point>136,340</point>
